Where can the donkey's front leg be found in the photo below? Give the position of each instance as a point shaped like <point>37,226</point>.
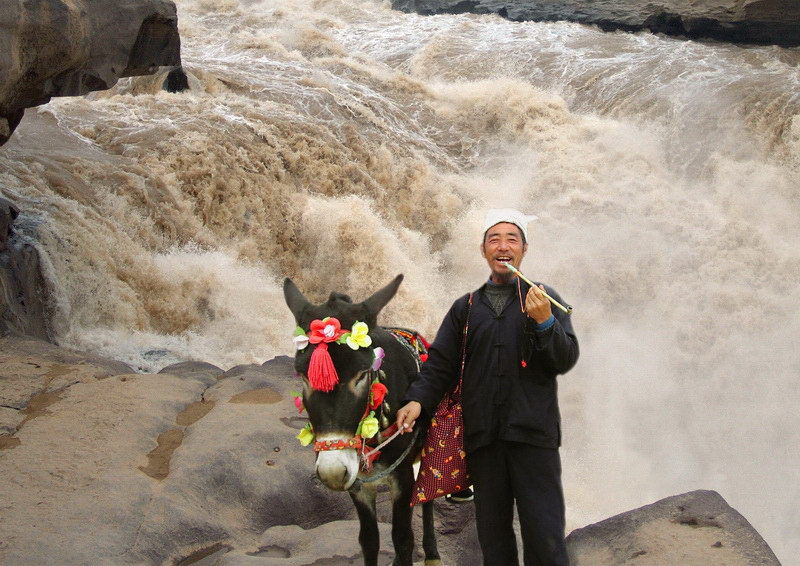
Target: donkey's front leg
<point>368,534</point>
<point>402,485</point>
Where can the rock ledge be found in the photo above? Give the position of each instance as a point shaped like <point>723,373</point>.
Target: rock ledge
<point>72,47</point>
<point>698,527</point>
<point>761,22</point>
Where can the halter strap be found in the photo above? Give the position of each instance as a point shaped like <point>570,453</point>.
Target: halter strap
<point>340,444</point>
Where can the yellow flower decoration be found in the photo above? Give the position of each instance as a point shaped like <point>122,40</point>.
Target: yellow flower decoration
<point>359,336</point>
<point>369,427</point>
<point>306,436</point>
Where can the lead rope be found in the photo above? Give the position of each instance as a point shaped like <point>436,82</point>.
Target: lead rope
<point>383,473</point>
<point>366,455</point>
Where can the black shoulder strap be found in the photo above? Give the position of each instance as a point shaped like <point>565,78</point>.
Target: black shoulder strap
<point>457,391</point>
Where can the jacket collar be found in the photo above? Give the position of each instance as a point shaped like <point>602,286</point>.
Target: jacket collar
<point>522,291</point>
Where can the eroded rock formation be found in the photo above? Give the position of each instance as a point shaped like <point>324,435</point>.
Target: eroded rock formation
<point>66,48</point>
<point>698,527</point>
<point>741,21</point>
<point>23,297</point>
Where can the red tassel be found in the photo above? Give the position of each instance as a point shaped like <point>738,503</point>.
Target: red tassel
<point>322,374</point>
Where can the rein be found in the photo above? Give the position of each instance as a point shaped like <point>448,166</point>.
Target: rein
<point>383,473</point>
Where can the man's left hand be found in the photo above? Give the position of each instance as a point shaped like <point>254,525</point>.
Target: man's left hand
<point>536,305</point>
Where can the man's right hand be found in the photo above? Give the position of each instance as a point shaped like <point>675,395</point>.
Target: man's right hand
<point>407,416</point>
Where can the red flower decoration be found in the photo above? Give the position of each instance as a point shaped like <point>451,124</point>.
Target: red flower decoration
<point>328,329</point>
<point>377,393</point>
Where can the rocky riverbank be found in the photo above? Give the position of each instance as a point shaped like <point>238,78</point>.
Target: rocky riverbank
<point>763,22</point>
<point>100,465</point>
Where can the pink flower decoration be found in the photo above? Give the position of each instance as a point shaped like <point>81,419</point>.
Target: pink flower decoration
<point>298,402</point>
<point>377,360</point>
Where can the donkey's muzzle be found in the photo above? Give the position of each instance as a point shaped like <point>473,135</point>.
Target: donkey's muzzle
<point>337,469</point>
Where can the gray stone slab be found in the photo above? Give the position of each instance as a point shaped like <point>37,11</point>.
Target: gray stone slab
<point>698,527</point>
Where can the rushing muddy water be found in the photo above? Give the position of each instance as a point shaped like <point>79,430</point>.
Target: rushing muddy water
<point>340,143</point>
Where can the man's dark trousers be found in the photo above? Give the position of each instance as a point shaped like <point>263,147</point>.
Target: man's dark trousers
<point>505,471</point>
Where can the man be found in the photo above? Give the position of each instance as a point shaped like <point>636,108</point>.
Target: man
<point>515,349</point>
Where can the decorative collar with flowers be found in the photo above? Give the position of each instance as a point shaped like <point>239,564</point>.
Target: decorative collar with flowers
<point>322,374</point>
<point>324,378</point>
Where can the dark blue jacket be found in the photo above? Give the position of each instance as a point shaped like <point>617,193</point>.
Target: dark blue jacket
<point>509,388</point>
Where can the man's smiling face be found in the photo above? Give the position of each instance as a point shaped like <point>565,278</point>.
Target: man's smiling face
<point>503,243</point>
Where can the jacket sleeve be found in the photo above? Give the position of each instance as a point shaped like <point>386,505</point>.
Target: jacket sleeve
<point>557,345</point>
<point>439,374</point>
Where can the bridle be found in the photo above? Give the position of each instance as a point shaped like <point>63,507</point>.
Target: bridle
<point>367,457</point>
<point>366,453</point>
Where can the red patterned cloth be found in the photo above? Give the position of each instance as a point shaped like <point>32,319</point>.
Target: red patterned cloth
<point>443,467</point>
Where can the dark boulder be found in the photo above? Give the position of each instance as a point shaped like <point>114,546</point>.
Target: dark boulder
<point>176,81</point>
<point>59,48</point>
<point>23,295</point>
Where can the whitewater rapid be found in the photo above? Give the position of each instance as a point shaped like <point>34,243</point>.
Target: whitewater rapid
<point>340,143</point>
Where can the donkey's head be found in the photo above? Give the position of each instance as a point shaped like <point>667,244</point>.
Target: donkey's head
<point>336,376</point>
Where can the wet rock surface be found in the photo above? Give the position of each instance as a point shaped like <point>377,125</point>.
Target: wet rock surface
<point>200,370</point>
<point>200,465</point>
<point>67,48</point>
<point>740,21</point>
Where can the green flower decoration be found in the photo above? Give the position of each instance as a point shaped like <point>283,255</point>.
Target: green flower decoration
<point>359,336</point>
<point>368,427</point>
<point>306,436</point>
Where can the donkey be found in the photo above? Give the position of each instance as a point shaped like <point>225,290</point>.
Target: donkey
<point>338,401</point>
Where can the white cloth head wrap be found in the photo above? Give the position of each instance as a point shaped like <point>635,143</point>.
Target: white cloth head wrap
<point>498,215</point>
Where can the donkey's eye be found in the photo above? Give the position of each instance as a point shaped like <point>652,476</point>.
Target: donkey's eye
<point>362,378</point>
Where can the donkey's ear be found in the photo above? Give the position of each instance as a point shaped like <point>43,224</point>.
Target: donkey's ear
<point>376,302</point>
<point>294,299</point>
